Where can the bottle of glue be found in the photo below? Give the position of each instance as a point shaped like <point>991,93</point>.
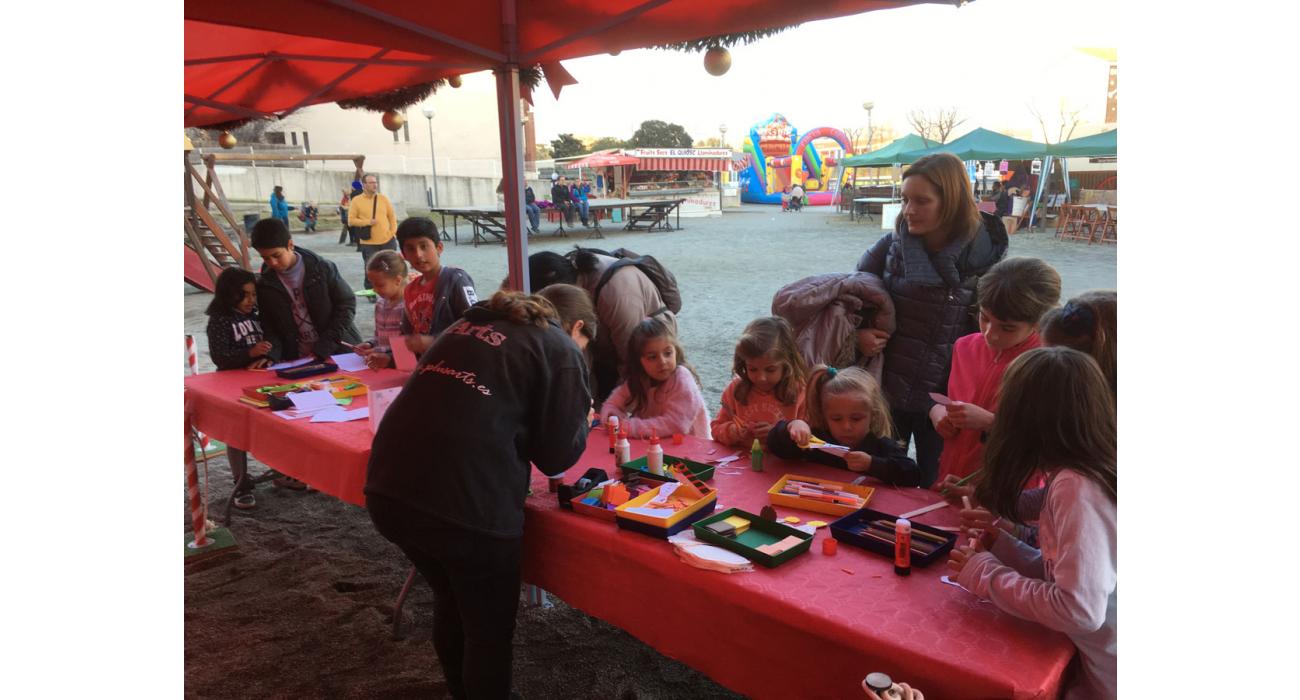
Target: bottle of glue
<point>654,455</point>
<point>611,427</point>
<point>623,449</point>
<point>756,456</point>
<point>903,547</point>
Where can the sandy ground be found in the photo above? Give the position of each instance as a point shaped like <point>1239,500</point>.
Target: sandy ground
<point>303,609</point>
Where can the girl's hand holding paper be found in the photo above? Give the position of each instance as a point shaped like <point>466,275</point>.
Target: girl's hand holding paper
<point>968,416</point>
<point>942,424</point>
<point>800,433</point>
<point>858,461</point>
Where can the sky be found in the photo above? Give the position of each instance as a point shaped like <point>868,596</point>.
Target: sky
<point>991,59</point>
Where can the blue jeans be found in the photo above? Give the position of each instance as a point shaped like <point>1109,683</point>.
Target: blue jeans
<point>534,215</point>
<point>583,209</point>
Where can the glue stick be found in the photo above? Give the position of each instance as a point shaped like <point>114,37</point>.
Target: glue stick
<point>611,427</point>
<point>623,449</point>
<point>654,455</point>
<point>756,456</point>
<point>903,547</point>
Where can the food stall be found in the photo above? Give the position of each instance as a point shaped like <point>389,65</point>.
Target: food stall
<point>697,175</point>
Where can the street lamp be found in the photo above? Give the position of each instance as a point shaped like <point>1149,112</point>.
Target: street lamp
<point>723,129</point>
<point>428,113</point>
<point>869,106</point>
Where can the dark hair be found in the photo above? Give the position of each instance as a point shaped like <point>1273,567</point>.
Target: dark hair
<point>1019,289</point>
<point>959,215</point>
<point>523,309</point>
<point>269,233</point>
<point>572,304</point>
<point>230,290</point>
<point>1088,324</point>
<point>1054,412</point>
<point>278,189</point>
<point>546,268</point>
<point>389,262</point>
<point>366,175</point>
<point>770,336</point>
<point>638,382</point>
<point>825,381</point>
<point>413,227</point>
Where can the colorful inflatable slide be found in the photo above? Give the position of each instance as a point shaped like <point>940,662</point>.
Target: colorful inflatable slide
<point>779,157</point>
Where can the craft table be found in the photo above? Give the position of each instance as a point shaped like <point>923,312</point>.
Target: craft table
<point>489,225</point>
<point>812,628</point>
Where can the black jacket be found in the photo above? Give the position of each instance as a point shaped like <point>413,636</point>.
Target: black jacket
<point>889,460</point>
<point>559,193</point>
<point>529,197</point>
<point>454,293</point>
<point>488,397</point>
<point>231,336</point>
<point>330,304</point>
<point>934,303</point>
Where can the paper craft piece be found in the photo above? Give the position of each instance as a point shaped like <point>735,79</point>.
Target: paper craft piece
<point>305,401</point>
<point>791,519</point>
<point>940,399</point>
<point>951,582</point>
<point>817,523</point>
<point>349,361</point>
<point>829,446</point>
<point>291,415</point>
<point>402,355</point>
<point>339,415</point>
<point>724,461</point>
<point>291,363</point>
<point>379,402</point>
<point>653,512</point>
<point>923,511</point>
<point>664,492</point>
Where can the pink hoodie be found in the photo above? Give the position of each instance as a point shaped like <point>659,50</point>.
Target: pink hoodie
<point>975,378</point>
<point>676,406</point>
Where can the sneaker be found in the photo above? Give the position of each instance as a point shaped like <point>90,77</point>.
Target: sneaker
<point>245,500</point>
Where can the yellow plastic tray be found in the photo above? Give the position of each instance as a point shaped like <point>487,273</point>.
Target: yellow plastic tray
<point>676,517</point>
<point>780,499</point>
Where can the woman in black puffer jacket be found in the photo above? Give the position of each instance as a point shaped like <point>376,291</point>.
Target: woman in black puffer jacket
<point>940,246</point>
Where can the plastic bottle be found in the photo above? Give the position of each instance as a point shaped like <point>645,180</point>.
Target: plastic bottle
<point>611,427</point>
<point>654,455</point>
<point>903,547</point>
<point>623,449</point>
<point>756,456</point>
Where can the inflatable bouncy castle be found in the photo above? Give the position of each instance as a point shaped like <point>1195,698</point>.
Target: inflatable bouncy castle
<point>780,157</point>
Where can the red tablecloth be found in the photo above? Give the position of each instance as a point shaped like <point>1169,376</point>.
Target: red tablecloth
<point>807,629</point>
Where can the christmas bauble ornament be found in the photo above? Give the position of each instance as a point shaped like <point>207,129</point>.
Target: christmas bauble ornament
<point>717,60</point>
<point>393,120</point>
<point>227,140</point>
<point>454,81</point>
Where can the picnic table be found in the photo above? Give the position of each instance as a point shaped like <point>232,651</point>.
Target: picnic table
<point>865,203</point>
<point>811,628</point>
<point>489,225</point>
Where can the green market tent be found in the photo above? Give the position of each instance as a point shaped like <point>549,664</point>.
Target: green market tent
<point>1097,145</point>
<point>887,155</point>
<point>982,144</point>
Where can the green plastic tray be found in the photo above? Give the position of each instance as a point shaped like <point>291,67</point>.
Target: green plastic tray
<point>760,532</point>
<point>703,472</point>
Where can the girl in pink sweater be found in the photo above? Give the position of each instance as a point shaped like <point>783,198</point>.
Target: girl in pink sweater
<point>1056,416</point>
<point>769,384</point>
<point>662,392</point>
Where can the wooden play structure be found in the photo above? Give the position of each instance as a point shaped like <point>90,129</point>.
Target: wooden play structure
<point>214,238</point>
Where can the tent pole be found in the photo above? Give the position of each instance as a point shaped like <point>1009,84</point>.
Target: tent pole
<point>1042,184</point>
<point>512,150</point>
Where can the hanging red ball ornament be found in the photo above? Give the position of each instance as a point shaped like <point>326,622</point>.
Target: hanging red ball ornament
<point>717,60</point>
<point>227,140</point>
<point>454,81</point>
<point>393,120</point>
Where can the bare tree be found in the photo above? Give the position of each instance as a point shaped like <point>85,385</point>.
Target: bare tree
<point>1069,121</point>
<point>935,127</point>
<point>854,133</point>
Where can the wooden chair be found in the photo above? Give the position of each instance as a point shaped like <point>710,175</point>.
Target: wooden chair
<point>1108,225</point>
<point>1075,224</point>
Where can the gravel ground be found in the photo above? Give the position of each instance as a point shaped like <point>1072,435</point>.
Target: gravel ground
<point>303,609</point>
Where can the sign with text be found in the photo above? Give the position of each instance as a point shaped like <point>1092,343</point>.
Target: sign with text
<point>679,152</point>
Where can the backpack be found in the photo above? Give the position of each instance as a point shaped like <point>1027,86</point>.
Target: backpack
<point>663,280</point>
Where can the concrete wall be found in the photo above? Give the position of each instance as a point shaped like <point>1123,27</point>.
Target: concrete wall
<point>325,187</point>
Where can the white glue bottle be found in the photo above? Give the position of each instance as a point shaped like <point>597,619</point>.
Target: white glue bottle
<point>654,455</point>
<point>623,453</point>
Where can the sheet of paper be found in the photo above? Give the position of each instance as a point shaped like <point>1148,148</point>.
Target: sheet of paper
<point>338,415</point>
<point>664,492</point>
<point>653,512</point>
<point>312,400</point>
<point>940,399</point>
<point>379,402</point>
<point>291,363</point>
<point>349,361</point>
<point>291,415</point>
<point>402,355</point>
<point>923,511</point>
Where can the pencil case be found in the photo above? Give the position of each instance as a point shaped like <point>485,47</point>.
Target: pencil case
<point>853,528</point>
<point>310,370</point>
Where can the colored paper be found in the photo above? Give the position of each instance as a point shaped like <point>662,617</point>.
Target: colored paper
<point>306,401</point>
<point>940,399</point>
<point>403,358</point>
<point>349,361</point>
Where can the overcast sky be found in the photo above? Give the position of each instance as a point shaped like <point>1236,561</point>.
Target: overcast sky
<point>991,59</point>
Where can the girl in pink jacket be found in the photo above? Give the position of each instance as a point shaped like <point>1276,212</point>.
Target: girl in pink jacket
<point>769,384</point>
<point>662,392</point>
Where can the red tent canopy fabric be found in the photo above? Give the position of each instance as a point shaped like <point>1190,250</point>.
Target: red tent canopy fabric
<point>602,160</point>
<point>713,165</point>
<point>246,59</point>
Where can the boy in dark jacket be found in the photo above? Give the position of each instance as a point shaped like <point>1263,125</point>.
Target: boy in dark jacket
<point>306,307</point>
<point>441,295</point>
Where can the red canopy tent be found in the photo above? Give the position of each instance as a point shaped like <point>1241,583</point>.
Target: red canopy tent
<point>246,59</point>
<point>603,160</point>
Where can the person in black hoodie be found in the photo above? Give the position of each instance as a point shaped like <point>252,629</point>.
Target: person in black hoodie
<point>931,262</point>
<point>449,471</point>
<point>307,308</point>
<point>562,199</point>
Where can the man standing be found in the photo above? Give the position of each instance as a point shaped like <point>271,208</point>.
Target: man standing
<point>371,217</point>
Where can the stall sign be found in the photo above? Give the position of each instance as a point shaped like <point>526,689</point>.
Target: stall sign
<point>679,152</point>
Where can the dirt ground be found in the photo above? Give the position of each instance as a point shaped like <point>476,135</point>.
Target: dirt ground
<point>303,608</point>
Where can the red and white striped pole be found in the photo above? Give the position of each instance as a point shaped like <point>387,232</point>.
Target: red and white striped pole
<point>192,363</point>
<point>200,517</point>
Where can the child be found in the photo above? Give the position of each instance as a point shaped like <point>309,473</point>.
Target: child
<point>442,294</point>
<point>662,392</point>
<point>846,407</point>
<point>387,274</point>
<point>1012,296</point>
<point>1087,324</point>
<point>306,306</point>
<point>1070,585</point>
<point>769,384</point>
<point>235,342</point>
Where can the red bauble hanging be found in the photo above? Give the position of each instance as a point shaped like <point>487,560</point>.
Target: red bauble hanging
<point>717,60</point>
<point>227,140</point>
<point>393,120</point>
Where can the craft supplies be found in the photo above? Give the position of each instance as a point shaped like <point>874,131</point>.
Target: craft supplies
<point>639,468</point>
<point>820,495</point>
<point>764,541</point>
<point>678,438</point>
<point>902,547</point>
<point>611,427</point>
<point>960,482</point>
<point>877,683</point>
<point>829,546</point>
<point>779,547</point>
<point>756,456</point>
<point>623,449</point>
<point>739,523</point>
<point>923,511</point>
<point>878,532</point>
<point>940,399</point>
<point>654,456</point>
<point>791,519</point>
<point>666,509</point>
<point>817,523</point>
<point>768,513</point>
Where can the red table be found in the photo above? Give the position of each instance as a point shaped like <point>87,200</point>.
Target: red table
<point>807,629</point>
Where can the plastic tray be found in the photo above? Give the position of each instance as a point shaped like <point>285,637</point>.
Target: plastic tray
<point>760,532</point>
<point>663,527</point>
<point>780,499</point>
<point>701,471</point>
<point>845,529</point>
